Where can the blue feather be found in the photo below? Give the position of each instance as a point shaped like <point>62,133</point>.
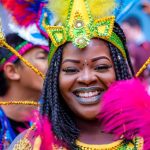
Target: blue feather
<point>123,7</point>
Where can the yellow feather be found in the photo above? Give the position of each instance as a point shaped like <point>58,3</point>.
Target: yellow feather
<point>101,8</point>
<point>59,8</point>
<point>98,8</point>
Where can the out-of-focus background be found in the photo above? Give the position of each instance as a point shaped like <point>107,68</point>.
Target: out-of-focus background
<point>5,18</point>
<point>142,11</point>
<point>136,25</point>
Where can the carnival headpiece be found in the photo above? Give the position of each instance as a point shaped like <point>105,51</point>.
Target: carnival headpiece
<point>81,21</point>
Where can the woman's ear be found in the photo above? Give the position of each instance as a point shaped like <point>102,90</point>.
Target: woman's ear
<point>11,71</point>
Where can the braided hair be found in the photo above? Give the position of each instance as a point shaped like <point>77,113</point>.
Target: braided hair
<point>63,124</point>
<point>121,67</point>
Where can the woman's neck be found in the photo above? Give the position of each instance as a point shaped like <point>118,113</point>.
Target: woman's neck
<point>91,132</point>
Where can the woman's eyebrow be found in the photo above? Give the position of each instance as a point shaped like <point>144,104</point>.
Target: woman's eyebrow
<point>71,60</point>
<point>100,57</point>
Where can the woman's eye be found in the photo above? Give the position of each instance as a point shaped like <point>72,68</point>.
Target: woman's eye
<point>70,70</point>
<point>103,67</point>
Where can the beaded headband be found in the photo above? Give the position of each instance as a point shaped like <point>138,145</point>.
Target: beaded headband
<point>80,25</point>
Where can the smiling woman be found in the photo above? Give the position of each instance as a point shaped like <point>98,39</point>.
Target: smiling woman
<point>84,75</point>
<point>88,53</point>
<point>75,83</point>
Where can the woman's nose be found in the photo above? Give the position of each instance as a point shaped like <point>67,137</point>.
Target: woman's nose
<point>87,77</point>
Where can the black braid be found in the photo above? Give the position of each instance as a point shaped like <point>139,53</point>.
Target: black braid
<point>121,68</point>
<point>61,118</point>
<point>63,124</point>
<point>121,35</point>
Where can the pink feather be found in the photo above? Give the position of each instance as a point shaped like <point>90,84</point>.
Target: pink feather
<point>46,135</point>
<point>126,111</point>
<point>43,129</point>
<point>24,12</point>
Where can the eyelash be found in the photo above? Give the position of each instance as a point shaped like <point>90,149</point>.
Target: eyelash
<point>103,67</point>
<point>70,70</point>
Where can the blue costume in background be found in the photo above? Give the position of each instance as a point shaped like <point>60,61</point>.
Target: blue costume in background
<point>7,134</point>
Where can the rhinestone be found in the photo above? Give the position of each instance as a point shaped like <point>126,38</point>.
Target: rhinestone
<point>79,24</point>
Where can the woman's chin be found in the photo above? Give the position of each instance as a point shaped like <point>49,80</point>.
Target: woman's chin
<point>89,114</point>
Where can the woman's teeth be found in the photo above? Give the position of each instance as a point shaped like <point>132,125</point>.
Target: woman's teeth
<point>87,94</point>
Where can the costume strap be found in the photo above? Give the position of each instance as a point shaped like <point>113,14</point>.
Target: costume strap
<point>143,67</point>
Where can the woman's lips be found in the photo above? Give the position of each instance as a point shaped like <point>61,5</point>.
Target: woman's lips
<point>88,95</point>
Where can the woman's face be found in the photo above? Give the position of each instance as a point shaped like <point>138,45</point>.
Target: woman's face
<point>84,76</point>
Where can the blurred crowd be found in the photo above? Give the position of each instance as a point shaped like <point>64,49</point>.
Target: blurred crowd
<point>137,42</point>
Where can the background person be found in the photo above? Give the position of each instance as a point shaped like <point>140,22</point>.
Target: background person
<point>19,83</point>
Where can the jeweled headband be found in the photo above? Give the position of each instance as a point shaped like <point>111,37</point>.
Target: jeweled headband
<point>85,19</point>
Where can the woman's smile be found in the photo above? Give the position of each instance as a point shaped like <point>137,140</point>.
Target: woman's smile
<point>88,95</point>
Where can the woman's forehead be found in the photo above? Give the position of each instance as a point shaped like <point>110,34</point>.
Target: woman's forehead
<point>96,47</point>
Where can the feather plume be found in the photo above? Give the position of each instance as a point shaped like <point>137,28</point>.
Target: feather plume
<point>24,12</point>
<point>59,8</point>
<point>43,130</point>
<point>98,8</point>
<point>102,8</point>
<point>126,110</point>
